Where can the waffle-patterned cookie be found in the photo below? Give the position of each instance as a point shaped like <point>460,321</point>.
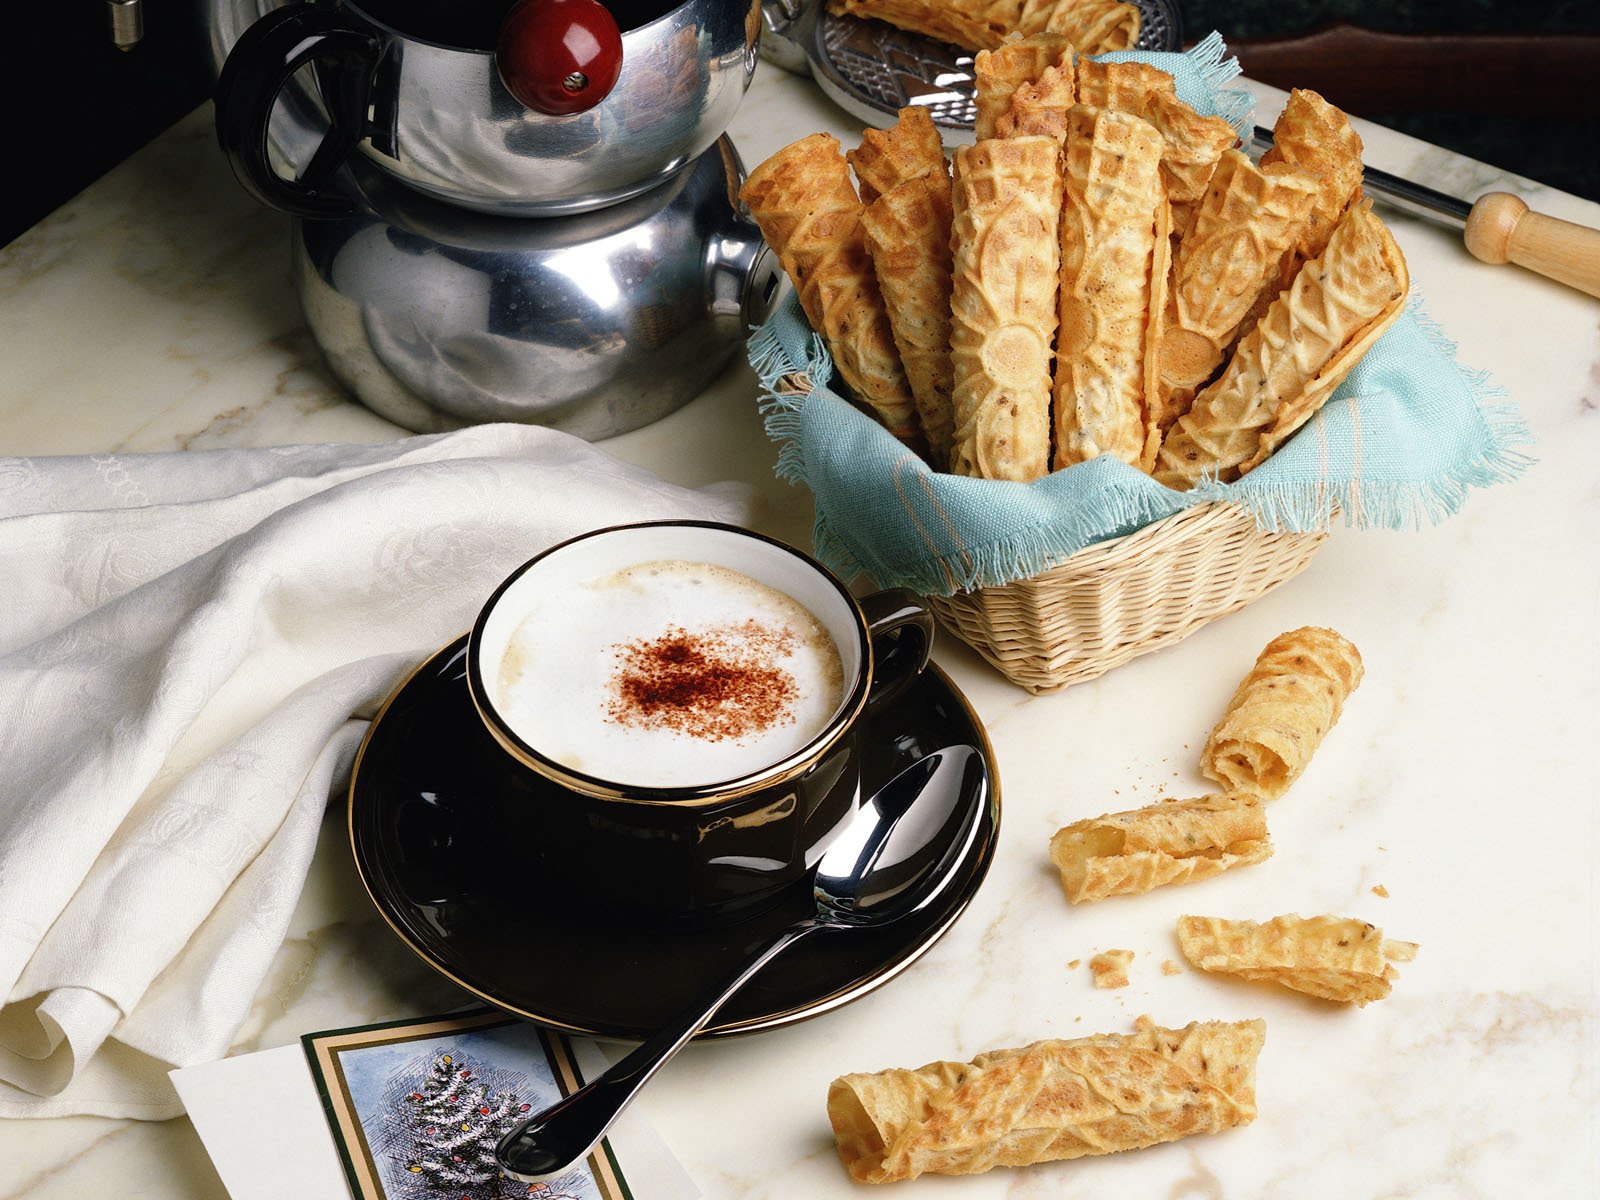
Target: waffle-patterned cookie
<point>1114,249</point>
<point>810,214</point>
<point>1247,221</point>
<point>1051,1100</point>
<point>908,238</point>
<point>1041,107</point>
<point>1125,853</point>
<point>1317,138</point>
<point>1120,87</point>
<point>1288,365</point>
<point>997,74</point>
<point>908,149</point>
<point>1281,711</point>
<point>1194,144</point>
<point>1003,305</point>
<point>1334,958</point>
<point>1093,26</point>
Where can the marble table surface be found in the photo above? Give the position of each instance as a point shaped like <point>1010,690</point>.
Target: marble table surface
<point>154,312</point>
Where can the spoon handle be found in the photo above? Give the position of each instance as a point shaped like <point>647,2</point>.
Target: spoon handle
<point>549,1143</point>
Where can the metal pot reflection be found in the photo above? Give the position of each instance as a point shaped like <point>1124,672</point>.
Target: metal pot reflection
<point>437,317</point>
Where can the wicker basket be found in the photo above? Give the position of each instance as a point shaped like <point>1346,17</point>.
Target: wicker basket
<point>1119,599</point>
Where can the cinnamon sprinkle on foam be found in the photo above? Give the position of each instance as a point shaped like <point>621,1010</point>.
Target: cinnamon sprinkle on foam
<point>710,684</point>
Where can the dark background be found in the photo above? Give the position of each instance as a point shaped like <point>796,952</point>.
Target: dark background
<point>75,106</point>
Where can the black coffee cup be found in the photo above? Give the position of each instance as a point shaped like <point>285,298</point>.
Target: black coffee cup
<point>716,846</point>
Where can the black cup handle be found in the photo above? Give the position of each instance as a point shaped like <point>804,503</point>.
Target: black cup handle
<point>901,629</point>
<point>257,69</point>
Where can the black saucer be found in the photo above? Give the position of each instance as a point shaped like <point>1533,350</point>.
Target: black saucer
<point>442,874</point>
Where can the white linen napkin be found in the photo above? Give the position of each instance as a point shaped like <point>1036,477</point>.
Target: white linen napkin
<point>190,645</point>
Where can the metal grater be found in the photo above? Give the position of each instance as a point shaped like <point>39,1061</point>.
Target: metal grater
<point>872,70</point>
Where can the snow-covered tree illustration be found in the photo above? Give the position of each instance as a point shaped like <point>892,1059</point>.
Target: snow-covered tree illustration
<point>443,1132</point>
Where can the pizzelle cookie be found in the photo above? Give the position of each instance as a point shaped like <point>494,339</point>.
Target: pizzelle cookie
<point>1120,87</point>
<point>1093,26</point>
<point>1040,108</point>
<point>1286,367</point>
<point>1194,145</point>
<point>908,149</point>
<point>998,74</point>
<point>809,212</point>
<point>971,24</point>
<point>1246,222</point>
<point>1317,138</point>
<point>907,233</point>
<point>1047,1101</point>
<point>1007,201</point>
<point>1114,253</point>
<point>1334,958</point>
<point>1125,853</point>
<point>1281,711</point>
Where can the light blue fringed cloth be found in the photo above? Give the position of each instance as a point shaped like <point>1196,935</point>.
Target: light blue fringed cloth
<point>1397,446</point>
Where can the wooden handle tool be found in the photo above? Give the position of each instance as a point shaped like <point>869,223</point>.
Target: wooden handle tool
<point>1497,228</point>
<point>1501,228</point>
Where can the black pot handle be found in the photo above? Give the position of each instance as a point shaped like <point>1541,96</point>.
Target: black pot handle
<point>258,67</point>
<point>901,628</point>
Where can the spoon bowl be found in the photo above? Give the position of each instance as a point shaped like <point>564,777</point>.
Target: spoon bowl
<point>892,859</point>
<point>896,852</point>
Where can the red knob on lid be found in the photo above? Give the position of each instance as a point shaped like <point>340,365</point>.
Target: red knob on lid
<point>559,56</point>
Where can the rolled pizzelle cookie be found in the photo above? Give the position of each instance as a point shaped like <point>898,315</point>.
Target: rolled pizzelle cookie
<point>1246,222</point>
<point>908,149</point>
<point>1051,1100</point>
<point>1041,107</point>
<point>1317,138</point>
<point>1120,87</point>
<point>1093,26</point>
<point>1181,841</point>
<point>1286,367</point>
<point>998,74</point>
<point>972,24</point>
<point>908,238</point>
<point>1334,958</point>
<point>1007,201</point>
<point>1114,253</point>
<point>1281,711</point>
<point>1194,144</point>
<point>809,213</point>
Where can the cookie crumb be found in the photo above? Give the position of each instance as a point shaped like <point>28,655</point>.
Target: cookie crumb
<point>1073,965</point>
<point>1379,890</point>
<point>1400,951</point>
<point>1111,968</point>
<point>1171,968</point>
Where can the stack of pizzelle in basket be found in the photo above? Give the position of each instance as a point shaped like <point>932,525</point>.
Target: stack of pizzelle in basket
<point>1102,272</point>
<point>1093,26</point>
<point>1066,1098</point>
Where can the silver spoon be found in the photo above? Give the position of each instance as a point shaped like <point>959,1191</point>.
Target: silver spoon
<point>892,859</point>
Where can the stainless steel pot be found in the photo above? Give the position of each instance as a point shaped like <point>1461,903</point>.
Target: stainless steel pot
<point>437,317</point>
<point>438,117</point>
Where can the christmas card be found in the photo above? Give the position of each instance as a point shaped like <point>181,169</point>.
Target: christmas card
<point>411,1110</point>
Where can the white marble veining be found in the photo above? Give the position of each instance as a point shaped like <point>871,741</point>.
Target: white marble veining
<point>154,312</point>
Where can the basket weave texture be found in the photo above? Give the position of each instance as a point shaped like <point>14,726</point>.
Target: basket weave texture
<point>1114,601</point>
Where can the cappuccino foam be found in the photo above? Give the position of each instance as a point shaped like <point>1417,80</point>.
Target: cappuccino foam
<point>669,674</point>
